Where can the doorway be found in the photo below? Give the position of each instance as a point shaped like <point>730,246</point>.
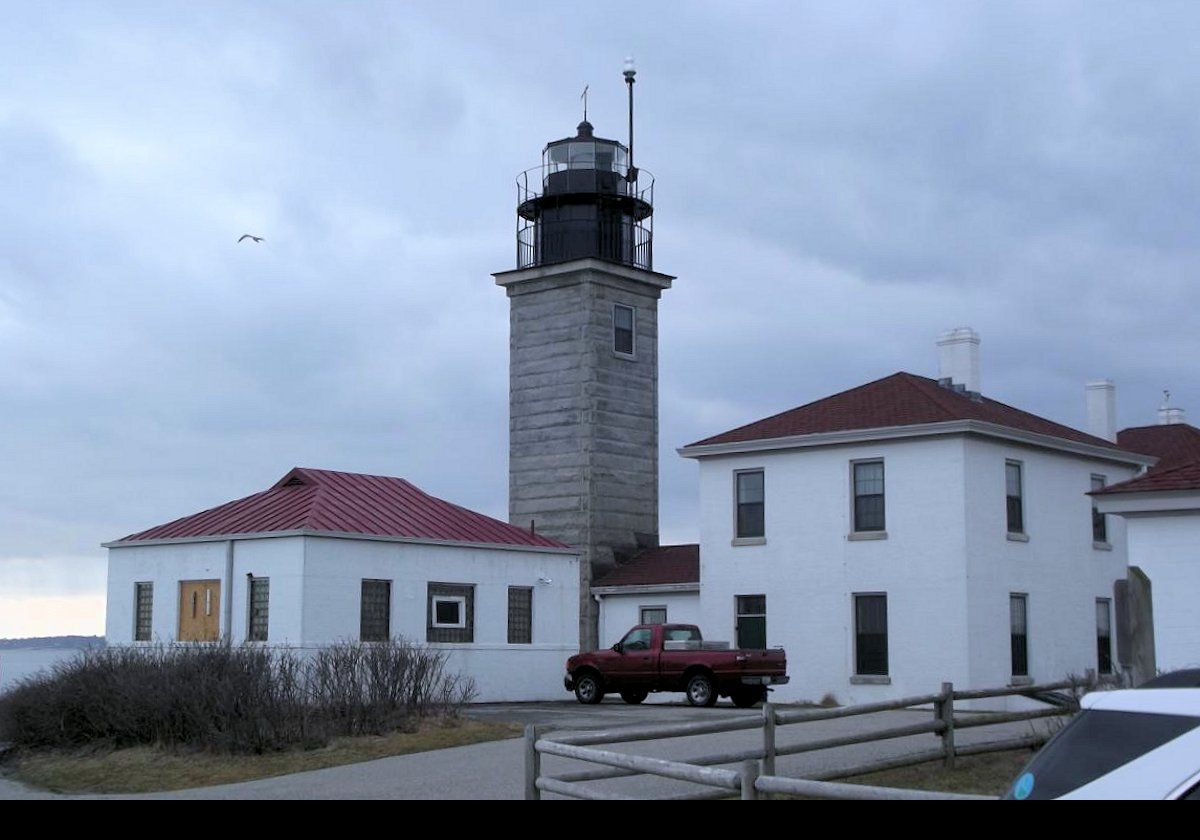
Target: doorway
<point>752,622</point>
<point>199,610</point>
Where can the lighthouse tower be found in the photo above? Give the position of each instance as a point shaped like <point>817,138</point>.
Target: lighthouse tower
<point>583,354</point>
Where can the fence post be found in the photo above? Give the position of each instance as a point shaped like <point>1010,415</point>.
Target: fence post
<point>749,776</point>
<point>533,760</point>
<point>945,708</point>
<point>768,760</point>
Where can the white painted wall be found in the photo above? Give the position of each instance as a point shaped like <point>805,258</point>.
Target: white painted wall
<point>1167,548</point>
<point>946,563</point>
<point>316,591</point>
<point>335,569</point>
<point>620,612</point>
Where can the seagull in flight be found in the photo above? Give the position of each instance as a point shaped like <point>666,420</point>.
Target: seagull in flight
<point>250,236</point>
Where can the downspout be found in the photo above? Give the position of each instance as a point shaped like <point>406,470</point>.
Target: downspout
<point>228,610</point>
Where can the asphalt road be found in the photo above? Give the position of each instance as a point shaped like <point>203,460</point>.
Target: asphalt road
<point>495,770</point>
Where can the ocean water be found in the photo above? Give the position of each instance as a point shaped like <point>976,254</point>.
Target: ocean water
<point>19,663</point>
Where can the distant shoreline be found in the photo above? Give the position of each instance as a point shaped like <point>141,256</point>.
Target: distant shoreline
<point>53,643</point>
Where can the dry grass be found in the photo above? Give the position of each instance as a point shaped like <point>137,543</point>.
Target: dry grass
<point>149,769</point>
<point>988,774</point>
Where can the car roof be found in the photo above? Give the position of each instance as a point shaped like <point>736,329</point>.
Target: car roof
<point>1185,678</point>
<point>1153,701</point>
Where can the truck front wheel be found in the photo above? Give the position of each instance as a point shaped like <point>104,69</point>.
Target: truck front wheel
<point>701,691</point>
<point>588,690</point>
<point>633,697</point>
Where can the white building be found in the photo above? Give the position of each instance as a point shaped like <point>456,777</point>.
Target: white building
<point>1161,511</point>
<point>324,556</point>
<point>902,534</point>
<point>657,586</point>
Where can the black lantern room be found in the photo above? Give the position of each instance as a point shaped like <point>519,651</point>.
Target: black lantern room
<point>585,200</point>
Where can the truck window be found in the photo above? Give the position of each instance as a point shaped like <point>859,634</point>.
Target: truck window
<point>636,640</point>
<point>682,634</point>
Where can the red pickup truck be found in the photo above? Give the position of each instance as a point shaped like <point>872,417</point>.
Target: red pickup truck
<point>674,657</point>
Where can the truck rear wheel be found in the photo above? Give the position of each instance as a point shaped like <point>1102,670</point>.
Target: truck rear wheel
<point>633,697</point>
<point>587,689</point>
<point>701,690</point>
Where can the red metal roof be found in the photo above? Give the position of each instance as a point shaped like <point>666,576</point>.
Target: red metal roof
<point>1173,443</point>
<point>902,399</point>
<point>652,566</point>
<point>351,503</point>
<point>1180,477</point>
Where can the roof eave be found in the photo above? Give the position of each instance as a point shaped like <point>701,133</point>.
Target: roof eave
<point>341,535</point>
<point>919,430</point>
<point>646,588</point>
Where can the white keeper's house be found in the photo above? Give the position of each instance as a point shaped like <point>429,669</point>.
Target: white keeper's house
<point>326,556</point>
<point>1161,511</point>
<point>900,534</point>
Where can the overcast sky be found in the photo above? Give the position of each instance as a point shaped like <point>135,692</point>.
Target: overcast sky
<point>836,184</point>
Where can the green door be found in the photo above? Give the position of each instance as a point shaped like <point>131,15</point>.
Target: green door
<point>752,622</point>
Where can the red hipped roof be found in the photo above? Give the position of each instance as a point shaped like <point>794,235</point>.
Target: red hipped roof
<point>665,564</point>
<point>902,399</point>
<point>1177,447</point>
<point>346,503</point>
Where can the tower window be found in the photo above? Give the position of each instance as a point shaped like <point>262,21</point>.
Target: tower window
<point>623,330</point>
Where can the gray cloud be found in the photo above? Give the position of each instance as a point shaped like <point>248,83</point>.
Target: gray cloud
<point>836,186</point>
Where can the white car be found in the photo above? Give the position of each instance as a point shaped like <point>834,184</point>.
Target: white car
<point>1128,744</point>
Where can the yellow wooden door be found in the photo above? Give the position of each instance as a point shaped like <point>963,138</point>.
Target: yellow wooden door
<point>199,610</point>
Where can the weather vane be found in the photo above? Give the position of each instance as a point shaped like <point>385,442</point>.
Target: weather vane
<point>583,96</point>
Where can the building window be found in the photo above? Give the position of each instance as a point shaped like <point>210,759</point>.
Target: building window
<point>653,615</point>
<point>375,623</point>
<point>259,597</point>
<point>750,510</point>
<point>520,615</point>
<point>1099,520</point>
<point>1104,636</point>
<point>870,635</point>
<point>623,320</point>
<point>1013,492</point>
<point>450,616</point>
<point>868,496</point>
<point>1018,618</point>
<point>751,622</point>
<point>143,624</point>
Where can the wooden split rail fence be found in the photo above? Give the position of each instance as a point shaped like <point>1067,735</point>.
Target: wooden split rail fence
<point>756,773</point>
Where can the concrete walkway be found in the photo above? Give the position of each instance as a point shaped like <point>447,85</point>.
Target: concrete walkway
<point>495,770</point>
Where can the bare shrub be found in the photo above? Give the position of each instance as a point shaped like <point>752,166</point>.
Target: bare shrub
<point>231,699</point>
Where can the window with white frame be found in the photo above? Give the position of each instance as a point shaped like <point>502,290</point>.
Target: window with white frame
<point>450,616</point>
<point>1014,492</point>
<point>868,496</point>
<point>1018,617</point>
<point>1099,520</point>
<point>653,615</point>
<point>871,634</point>
<point>1104,636</point>
<point>623,329</point>
<point>750,500</point>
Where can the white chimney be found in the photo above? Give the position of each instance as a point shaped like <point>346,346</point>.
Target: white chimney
<point>1102,409</point>
<point>1169,415</point>
<point>958,358</point>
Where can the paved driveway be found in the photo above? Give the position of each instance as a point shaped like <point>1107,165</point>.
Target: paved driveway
<point>496,770</point>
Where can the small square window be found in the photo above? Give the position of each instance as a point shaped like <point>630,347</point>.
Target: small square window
<point>449,612</point>
<point>653,615</point>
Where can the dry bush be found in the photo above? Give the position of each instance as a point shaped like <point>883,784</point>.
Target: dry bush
<point>248,699</point>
